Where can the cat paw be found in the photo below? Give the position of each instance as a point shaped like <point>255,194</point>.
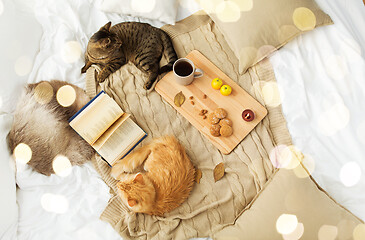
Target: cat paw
<point>119,169</point>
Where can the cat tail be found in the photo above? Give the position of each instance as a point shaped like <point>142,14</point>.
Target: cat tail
<point>169,52</point>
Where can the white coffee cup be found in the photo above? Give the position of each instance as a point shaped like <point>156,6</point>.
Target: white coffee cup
<point>185,71</point>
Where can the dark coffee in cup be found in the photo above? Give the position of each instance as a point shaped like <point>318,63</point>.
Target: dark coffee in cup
<point>185,71</point>
<point>183,68</point>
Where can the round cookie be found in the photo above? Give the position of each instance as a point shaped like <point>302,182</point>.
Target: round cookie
<point>215,130</point>
<point>212,118</point>
<point>226,131</point>
<point>220,113</point>
<point>225,121</point>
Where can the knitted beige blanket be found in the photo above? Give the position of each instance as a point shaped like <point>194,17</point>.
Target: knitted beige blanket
<point>211,206</point>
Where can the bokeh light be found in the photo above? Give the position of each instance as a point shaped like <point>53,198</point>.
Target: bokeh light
<point>54,203</point>
<point>71,51</point>
<point>228,11</point>
<point>296,234</point>
<point>304,19</point>
<point>23,66</point>
<point>209,6</point>
<point>43,93</point>
<point>66,95</point>
<point>271,95</point>
<point>143,6</point>
<point>280,156</point>
<point>244,5</point>
<point>359,232</point>
<point>286,224</point>
<point>336,67</point>
<point>333,119</point>
<point>345,228</point>
<point>62,166</point>
<point>327,232</point>
<point>360,132</point>
<point>309,164</point>
<point>350,174</point>
<point>22,153</point>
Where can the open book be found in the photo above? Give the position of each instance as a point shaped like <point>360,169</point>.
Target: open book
<point>109,130</point>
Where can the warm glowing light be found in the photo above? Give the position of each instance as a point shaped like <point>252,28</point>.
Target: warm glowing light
<point>296,234</point>
<point>309,164</point>
<point>54,203</point>
<point>359,232</point>
<point>286,224</point>
<point>228,11</point>
<point>61,166</point>
<point>209,6</point>
<point>271,95</point>
<point>244,5</point>
<point>23,66</point>
<point>22,153</point>
<point>143,6</point>
<point>327,232</point>
<point>66,95</point>
<point>350,174</point>
<point>71,51</point>
<point>304,19</point>
<point>280,156</point>
<point>333,119</point>
<point>43,93</point>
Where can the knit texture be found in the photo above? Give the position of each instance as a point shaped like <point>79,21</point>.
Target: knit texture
<point>211,206</point>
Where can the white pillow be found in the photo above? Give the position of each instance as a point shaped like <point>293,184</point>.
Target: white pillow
<point>162,10</point>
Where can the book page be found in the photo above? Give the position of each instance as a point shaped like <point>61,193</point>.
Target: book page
<point>96,118</point>
<point>107,134</point>
<point>121,141</point>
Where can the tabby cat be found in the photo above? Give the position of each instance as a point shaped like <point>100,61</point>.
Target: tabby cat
<point>156,178</point>
<point>142,44</point>
<point>42,124</point>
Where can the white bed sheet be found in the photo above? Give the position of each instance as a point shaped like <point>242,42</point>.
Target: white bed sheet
<point>321,76</point>
<point>69,207</point>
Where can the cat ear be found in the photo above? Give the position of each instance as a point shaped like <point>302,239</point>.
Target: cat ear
<point>132,202</point>
<point>105,42</point>
<point>106,27</point>
<point>139,178</point>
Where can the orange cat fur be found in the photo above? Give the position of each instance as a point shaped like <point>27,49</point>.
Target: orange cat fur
<point>165,181</point>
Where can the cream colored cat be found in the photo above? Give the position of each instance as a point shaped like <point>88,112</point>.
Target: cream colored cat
<point>44,127</point>
<point>156,178</point>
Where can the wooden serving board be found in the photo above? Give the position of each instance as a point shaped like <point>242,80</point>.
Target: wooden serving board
<point>234,104</point>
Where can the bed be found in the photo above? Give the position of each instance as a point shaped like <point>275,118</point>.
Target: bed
<point>322,106</point>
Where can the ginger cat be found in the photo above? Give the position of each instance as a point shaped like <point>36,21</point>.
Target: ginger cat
<point>156,178</point>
